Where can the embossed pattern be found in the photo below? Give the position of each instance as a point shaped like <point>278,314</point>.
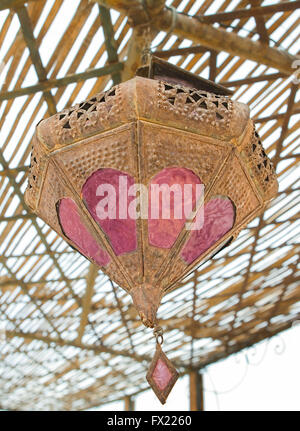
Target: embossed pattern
<point>112,152</point>
<point>167,147</point>
<point>213,110</point>
<point>261,165</point>
<point>82,120</point>
<point>234,184</point>
<point>37,162</point>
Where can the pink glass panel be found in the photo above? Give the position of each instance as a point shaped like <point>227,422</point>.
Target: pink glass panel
<point>75,230</point>
<point>162,232</point>
<point>219,217</point>
<point>161,375</point>
<point>121,229</point>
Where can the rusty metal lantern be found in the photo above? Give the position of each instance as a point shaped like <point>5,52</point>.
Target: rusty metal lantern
<point>166,124</point>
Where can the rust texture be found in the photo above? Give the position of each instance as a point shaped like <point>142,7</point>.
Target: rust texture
<point>140,127</point>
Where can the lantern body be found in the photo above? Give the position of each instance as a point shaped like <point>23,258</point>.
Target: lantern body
<point>149,132</point>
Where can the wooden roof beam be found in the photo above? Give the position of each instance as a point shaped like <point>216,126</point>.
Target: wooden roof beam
<point>275,117</point>
<point>213,71</point>
<point>195,49</point>
<point>193,28</point>
<point>94,348</point>
<point>13,4</point>
<point>251,12</point>
<point>29,284</point>
<point>87,299</point>
<point>62,82</point>
<point>138,11</point>
<point>15,217</point>
<point>35,55</point>
<point>141,38</point>
<point>14,171</point>
<point>218,39</point>
<point>262,30</point>
<point>110,43</point>
<point>253,79</point>
<point>285,124</point>
<point>260,24</point>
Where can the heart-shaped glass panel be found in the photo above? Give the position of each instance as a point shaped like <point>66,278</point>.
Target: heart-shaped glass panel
<point>173,193</point>
<point>107,194</point>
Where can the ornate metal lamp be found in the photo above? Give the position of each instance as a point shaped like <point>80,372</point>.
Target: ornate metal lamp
<point>165,126</point>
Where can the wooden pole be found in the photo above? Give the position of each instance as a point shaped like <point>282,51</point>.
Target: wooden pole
<point>274,117</point>
<point>87,299</point>
<point>260,23</point>
<point>98,349</point>
<point>35,55</point>
<point>110,43</point>
<point>195,49</point>
<point>253,79</point>
<point>196,391</point>
<point>253,11</point>
<point>215,38</point>
<point>193,28</point>
<point>140,40</point>
<point>62,82</point>
<point>128,404</point>
<point>12,4</point>
<point>213,65</point>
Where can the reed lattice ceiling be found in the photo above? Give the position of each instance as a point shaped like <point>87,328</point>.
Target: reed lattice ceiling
<point>71,338</point>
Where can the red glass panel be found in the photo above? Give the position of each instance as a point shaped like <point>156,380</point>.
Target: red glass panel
<point>162,232</point>
<point>106,191</point>
<point>219,214</point>
<point>161,375</point>
<point>75,230</point>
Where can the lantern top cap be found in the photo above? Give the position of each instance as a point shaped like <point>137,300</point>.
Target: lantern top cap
<point>162,70</point>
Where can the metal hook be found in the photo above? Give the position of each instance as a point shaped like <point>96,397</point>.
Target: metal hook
<point>158,333</point>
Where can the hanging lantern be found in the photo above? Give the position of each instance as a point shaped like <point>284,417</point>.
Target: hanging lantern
<point>99,171</point>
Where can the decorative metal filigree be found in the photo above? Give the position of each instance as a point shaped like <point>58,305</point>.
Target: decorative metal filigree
<point>146,129</point>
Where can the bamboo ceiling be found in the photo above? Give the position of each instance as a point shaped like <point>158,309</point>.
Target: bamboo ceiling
<point>70,338</point>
